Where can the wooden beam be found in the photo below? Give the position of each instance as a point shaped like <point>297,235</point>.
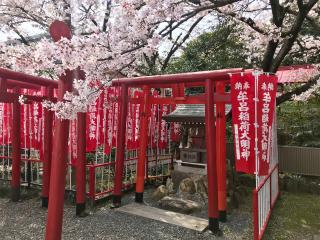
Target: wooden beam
<point>200,99</point>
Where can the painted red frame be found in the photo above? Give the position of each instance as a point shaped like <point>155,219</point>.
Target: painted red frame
<point>257,234</point>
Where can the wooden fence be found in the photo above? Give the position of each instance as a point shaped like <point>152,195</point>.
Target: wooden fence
<point>292,159</point>
<point>299,160</point>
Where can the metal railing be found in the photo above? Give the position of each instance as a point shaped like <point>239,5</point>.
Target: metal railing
<point>264,199</point>
<point>100,176</point>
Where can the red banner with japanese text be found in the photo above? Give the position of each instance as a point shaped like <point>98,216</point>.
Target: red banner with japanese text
<point>73,141</point>
<point>7,126</point>
<point>253,97</point>
<point>116,109</point>
<point>36,114</point>
<point>154,123</point>
<point>109,113</point>
<point>91,122</point>
<point>242,97</point>
<point>2,119</point>
<point>111,118</point>
<point>101,123</point>
<point>163,129</point>
<point>136,118</point>
<point>101,120</point>
<point>130,127</point>
<point>267,88</point>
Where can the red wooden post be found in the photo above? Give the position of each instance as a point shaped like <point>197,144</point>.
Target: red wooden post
<point>211,158</point>
<point>47,148</point>
<point>81,165</point>
<point>16,150</point>
<point>60,149</point>
<point>58,168</point>
<point>141,168</point>
<point>122,116</point>
<point>255,214</point>
<point>221,155</point>
<point>270,189</point>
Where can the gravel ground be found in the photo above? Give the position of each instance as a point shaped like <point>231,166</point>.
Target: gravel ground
<point>26,220</point>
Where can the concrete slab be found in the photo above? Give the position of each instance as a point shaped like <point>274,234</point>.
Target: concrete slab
<point>178,219</point>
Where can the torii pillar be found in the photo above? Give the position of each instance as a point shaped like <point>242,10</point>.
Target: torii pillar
<point>16,149</point>
<point>47,142</point>
<point>221,154</point>
<point>141,166</point>
<point>58,30</point>
<point>120,151</point>
<point>213,213</point>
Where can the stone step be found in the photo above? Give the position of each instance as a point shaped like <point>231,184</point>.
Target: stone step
<point>178,219</point>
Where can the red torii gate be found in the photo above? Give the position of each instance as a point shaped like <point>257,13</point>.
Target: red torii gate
<point>11,79</point>
<point>214,83</point>
<point>55,150</point>
<point>16,81</point>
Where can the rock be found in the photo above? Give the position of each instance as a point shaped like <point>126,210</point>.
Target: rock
<point>178,176</point>
<point>161,192</point>
<point>187,186</point>
<point>179,205</point>
<point>182,172</point>
<point>205,181</point>
<point>169,185</point>
<point>201,185</point>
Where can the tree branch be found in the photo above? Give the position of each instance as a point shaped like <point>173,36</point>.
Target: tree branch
<point>247,21</point>
<point>311,20</point>
<point>294,32</point>
<point>278,12</point>
<point>177,44</point>
<point>187,16</point>
<point>297,91</point>
<point>268,55</point>
<point>106,16</point>
<point>23,39</point>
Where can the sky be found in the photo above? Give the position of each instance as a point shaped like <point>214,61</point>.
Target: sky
<point>27,29</point>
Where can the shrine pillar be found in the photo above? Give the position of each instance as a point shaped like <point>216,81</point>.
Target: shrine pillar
<point>221,154</point>
<point>211,157</point>
<point>141,168</point>
<point>120,151</point>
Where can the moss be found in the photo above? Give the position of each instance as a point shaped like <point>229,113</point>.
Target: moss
<point>26,193</point>
<point>4,192</point>
<point>295,216</point>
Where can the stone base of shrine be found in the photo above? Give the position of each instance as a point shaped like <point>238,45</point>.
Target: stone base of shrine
<point>181,172</point>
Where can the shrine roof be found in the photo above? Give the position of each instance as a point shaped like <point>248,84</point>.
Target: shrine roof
<point>189,113</point>
<point>296,73</point>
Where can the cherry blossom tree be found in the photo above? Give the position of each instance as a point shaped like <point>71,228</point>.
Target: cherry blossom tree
<point>112,36</point>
